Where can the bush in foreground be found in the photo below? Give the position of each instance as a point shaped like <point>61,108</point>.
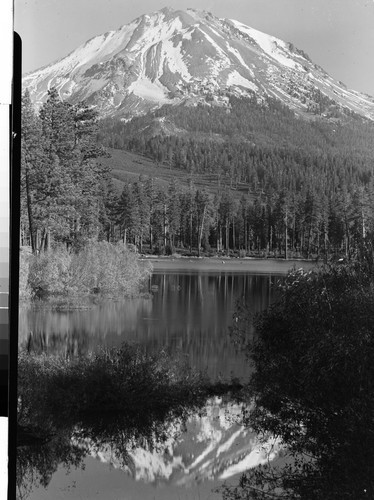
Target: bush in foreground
<point>313,386</point>
<point>117,381</point>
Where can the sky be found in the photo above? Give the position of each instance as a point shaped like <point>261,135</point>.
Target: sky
<point>337,34</point>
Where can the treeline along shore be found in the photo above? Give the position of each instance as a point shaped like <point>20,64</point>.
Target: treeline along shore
<point>253,178</point>
<point>260,199</point>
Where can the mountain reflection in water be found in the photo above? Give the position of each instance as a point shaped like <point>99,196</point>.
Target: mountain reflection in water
<point>190,313</point>
<point>184,459</point>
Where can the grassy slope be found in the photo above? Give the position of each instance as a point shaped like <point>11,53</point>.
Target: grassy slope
<point>127,167</point>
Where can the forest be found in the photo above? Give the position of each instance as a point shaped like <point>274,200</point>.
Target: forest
<point>309,186</point>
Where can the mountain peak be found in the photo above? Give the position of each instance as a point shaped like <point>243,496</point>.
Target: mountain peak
<point>191,57</point>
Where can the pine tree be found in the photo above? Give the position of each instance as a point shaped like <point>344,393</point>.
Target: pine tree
<point>67,202</point>
<point>129,215</point>
<point>141,201</point>
<point>150,196</point>
<point>32,160</point>
<point>226,212</point>
<point>201,211</point>
<point>174,213</point>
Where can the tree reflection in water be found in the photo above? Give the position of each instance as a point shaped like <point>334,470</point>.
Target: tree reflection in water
<point>187,312</point>
<point>116,396</point>
<point>37,462</point>
<point>69,446</point>
<point>182,449</point>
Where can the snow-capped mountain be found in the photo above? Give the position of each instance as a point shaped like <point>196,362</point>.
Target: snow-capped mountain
<point>211,447</point>
<point>174,56</point>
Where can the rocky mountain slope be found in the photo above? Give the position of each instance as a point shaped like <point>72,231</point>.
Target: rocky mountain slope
<point>190,57</point>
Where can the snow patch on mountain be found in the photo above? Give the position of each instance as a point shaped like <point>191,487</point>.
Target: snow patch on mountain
<point>225,60</point>
<point>151,91</point>
<point>235,78</point>
<point>153,29</point>
<point>174,57</point>
<point>187,35</point>
<point>238,56</point>
<point>272,46</point>
<point>216,33</point>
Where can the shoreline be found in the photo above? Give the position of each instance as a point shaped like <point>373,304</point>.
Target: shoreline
<point>224,264</point>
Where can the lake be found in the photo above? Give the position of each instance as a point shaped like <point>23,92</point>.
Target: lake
<point>188,312</point>
<point>190,464</point>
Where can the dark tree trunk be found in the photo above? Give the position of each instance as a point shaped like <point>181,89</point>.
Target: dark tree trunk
<point>30,214</point>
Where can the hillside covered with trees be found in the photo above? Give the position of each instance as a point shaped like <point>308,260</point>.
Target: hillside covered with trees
<point>276,185</point>
<point>279,185</point>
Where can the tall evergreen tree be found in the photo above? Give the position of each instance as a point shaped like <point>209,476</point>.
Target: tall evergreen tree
<point>174,213</point>
<point>63,183</point>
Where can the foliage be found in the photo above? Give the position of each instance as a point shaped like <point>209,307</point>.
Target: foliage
<point>62,183</point>
<point>99,267</point>
<point>306,187</point>
<point>36,463</point>
<point>114,398</point>
<point>49,273</point>
<point>279,223</point>
<point>23,281</point>
<point>113,382</point>
<point>108,269</point>
<point>246,120</point>
<point>278,186</point>
<point>313,385</point>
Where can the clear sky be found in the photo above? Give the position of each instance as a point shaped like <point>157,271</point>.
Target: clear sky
<point>337,34</point>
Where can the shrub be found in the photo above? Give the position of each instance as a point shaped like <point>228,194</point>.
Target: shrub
<point>108,268</point>
<point>99,267</point>
<point>49,273</point>
<point>117,381</point>
<point>24,286</point>
<point>313,384</point>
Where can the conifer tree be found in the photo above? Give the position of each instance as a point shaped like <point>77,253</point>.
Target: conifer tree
<point>143,207</point>
<point>32,160</point>
<point>63,183</point>
<point>202,207</point>
<point>174,213</point>
<point>128,215</point>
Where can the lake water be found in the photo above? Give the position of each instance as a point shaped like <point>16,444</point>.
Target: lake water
<point>187,312</point>
<point>190,312</point>
<point>191,464</point>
